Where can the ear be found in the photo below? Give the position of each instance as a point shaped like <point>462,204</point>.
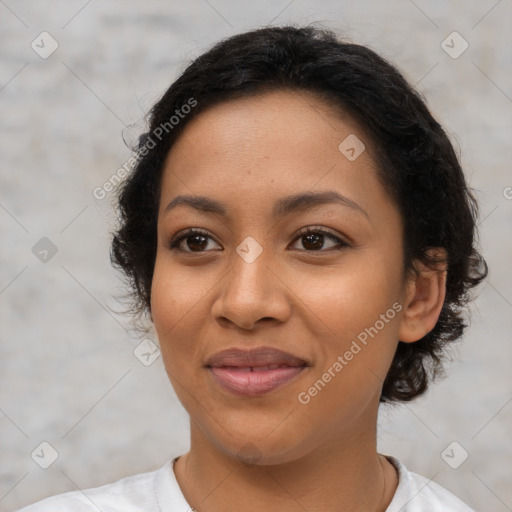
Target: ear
<point>425,294</point>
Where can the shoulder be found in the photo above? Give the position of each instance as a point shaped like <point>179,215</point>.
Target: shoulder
<point>134,493</point>
<point>415,493</point>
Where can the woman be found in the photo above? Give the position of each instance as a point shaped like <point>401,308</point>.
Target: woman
<point>300,233</point>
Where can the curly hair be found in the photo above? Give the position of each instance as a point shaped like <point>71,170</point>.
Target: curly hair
<point>416,163</point>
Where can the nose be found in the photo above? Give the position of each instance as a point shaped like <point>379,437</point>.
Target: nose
<point>252,293</point>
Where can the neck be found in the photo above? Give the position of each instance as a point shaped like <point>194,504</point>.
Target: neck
<point>346,473</point>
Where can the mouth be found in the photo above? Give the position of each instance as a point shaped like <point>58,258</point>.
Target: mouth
<point>254,372</point>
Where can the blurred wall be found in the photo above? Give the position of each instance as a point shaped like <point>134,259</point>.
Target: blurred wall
<point>69,374</point>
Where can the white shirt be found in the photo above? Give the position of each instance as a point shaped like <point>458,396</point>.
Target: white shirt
<point>159,491</point>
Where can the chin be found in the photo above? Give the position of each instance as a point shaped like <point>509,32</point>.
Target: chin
<point>256,448</point>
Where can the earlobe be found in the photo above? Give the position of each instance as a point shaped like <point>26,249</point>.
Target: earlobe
<point>425,294</point>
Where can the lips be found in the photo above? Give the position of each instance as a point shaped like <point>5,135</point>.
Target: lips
<point>255,358</point>
<point>254,372</point>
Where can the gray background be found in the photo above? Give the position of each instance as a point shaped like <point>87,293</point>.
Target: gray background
<point>67,368</point>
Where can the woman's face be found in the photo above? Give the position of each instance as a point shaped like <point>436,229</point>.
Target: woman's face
<point>251,279</point>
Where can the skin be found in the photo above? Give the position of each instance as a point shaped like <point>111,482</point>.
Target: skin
<point>282,454</point>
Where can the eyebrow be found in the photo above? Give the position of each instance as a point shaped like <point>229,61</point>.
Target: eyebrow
<point>281,208</point>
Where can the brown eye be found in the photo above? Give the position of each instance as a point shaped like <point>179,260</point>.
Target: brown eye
<point>314,239</point>
<point>196,240</point>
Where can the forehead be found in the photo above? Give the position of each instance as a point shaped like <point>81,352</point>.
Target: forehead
<point>253,150</point>
<point>277,121</point>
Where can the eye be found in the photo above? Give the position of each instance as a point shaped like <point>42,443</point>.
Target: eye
<point>196,239</point>
<point>314,239</point>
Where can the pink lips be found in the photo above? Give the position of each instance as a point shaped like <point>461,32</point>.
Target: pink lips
<point>254,372</point>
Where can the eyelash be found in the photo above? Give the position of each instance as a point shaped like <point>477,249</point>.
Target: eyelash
<point>341,244</point>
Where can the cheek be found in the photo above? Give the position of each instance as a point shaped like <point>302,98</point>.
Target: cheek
<point>177,301</point>
<point>350,296</point>
<point>359,307</point>
<point>177,290</point>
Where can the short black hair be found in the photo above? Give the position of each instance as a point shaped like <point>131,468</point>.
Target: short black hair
<point>416,164</point>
